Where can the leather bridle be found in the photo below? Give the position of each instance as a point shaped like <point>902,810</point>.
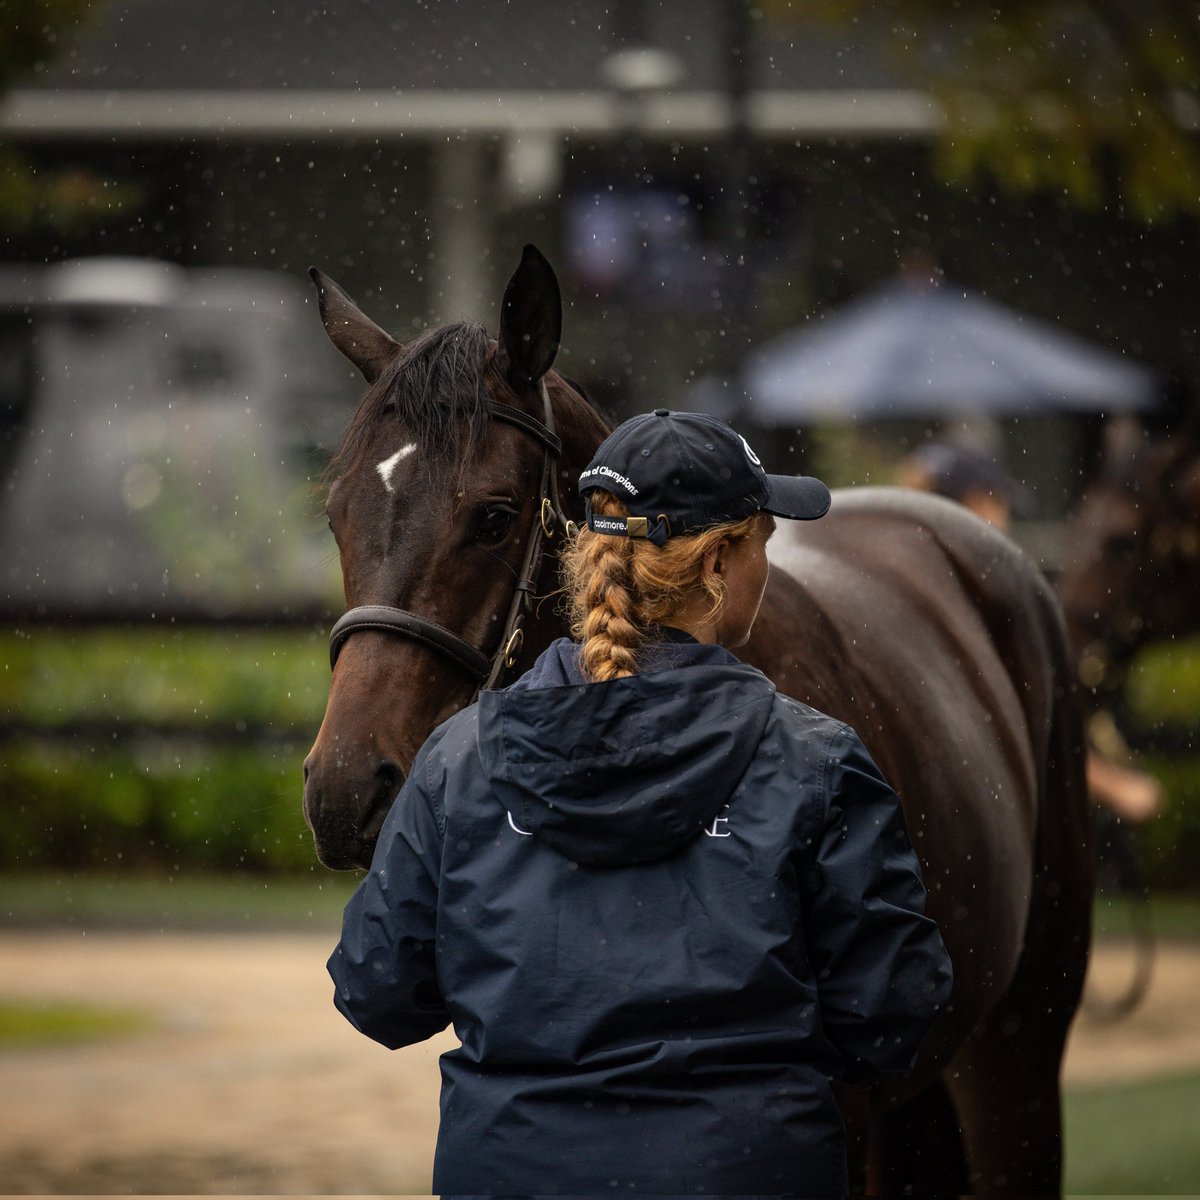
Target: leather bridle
<point>487,669</point>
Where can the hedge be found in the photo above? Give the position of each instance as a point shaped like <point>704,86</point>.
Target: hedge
<point>153,803</point>
<point>183,747</point>
<point>158,746</point>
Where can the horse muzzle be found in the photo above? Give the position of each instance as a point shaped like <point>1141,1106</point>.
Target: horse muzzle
<point>345,803</point>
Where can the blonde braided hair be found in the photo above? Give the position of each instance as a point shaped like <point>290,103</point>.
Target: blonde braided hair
<point>619,587</point>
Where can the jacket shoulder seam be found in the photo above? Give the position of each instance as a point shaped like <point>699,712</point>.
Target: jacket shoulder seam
<point>826,763</point>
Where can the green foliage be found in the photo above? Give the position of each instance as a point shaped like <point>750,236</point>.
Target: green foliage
<point>1134,1139</point>
<point>1164,684</point>
<point>141,780</point>
<point>64,200</point>
<point>189,678</point>
<point>31,33</point>
<point>1170,844</point>
<point>1065,96</point>
<point>155,802</point>
<point>188,743</point>
<point>1163,692</point>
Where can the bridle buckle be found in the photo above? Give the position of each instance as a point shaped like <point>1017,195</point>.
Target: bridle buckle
<point>513,649</point>
<point>549,517</point>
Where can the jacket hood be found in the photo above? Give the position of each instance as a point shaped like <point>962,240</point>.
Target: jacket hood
<point>630,770</point>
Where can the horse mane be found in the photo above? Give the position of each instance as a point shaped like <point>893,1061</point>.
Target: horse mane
<point>435,387</point>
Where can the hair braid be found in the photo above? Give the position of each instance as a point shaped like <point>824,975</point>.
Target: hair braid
<point>620,587</point>
<point>608,628</point>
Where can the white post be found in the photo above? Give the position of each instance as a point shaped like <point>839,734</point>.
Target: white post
<point>460,281</point>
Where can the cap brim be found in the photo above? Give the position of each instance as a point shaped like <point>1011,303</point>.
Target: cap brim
<point>797,497</point>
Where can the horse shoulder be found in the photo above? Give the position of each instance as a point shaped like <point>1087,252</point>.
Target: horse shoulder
<point>880,547</point>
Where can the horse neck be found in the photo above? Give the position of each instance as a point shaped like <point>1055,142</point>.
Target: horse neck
<point>581,430</point>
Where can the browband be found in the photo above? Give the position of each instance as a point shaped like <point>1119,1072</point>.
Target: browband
<point>531,425</point>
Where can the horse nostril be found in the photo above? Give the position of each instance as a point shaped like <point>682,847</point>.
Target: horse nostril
<point>390,779</point>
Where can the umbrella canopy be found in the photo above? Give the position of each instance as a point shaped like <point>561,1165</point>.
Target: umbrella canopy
<point>924,349</point>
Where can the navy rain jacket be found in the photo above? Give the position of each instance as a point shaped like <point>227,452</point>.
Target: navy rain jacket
<point>662,913</point>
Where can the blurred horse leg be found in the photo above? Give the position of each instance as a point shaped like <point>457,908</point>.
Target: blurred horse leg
<point>1004,1080</point>
<point>917,1150</point>
<point>1007,1096</point>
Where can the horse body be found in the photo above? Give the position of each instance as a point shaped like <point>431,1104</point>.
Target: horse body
<point>941,643</point>
<point>928,690</point>
<point>898,613</point>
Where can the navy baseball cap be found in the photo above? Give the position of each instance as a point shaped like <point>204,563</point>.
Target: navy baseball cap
<point>680,472</point>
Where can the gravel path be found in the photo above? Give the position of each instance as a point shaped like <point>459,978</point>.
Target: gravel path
<point>248,1081</point>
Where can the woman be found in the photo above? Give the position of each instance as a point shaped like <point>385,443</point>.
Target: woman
<point>663,905</point>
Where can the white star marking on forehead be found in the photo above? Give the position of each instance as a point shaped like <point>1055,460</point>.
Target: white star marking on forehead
<point>388,465</point>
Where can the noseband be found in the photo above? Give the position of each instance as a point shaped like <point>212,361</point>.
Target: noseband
<point>486,669</point>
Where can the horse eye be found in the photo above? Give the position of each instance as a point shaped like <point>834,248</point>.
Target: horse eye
<point>494,524</point>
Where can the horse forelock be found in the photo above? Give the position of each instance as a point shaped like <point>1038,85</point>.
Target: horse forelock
<point>436,391</point>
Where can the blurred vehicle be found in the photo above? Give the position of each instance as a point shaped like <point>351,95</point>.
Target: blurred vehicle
<point>162,432</point>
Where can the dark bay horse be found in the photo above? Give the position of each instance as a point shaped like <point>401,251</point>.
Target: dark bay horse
<point>1130,577</point>
<point>1131,572</point>
<point>900,613</point>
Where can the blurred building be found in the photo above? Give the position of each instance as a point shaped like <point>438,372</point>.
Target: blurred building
<point>704,174</point>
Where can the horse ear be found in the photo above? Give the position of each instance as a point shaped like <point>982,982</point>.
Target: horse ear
<point>367,346</point>
<point>530,320</point>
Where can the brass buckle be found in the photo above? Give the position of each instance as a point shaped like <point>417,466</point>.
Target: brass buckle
<point>638,527</point>
<point>514,647</point>
<point>548,517</point>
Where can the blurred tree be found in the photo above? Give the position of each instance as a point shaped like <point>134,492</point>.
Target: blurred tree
<point>31,33</point>
<point>1083,97</point>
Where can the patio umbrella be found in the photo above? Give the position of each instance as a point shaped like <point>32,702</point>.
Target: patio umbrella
<point>924,349</point>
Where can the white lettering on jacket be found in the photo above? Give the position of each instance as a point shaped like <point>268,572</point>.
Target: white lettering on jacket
<point>714,830</point>
<point>513,826</point>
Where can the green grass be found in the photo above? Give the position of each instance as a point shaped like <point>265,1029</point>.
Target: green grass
<point>175,901</point>
<point>1134,1139</point>
<point>1172,917</point>
<point>53,1023</point>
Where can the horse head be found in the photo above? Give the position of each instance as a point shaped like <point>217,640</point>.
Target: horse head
<point>1132,572</point>
<point>446,500</point>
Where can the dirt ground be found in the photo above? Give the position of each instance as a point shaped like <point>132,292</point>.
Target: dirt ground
<point>248,1081</point>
